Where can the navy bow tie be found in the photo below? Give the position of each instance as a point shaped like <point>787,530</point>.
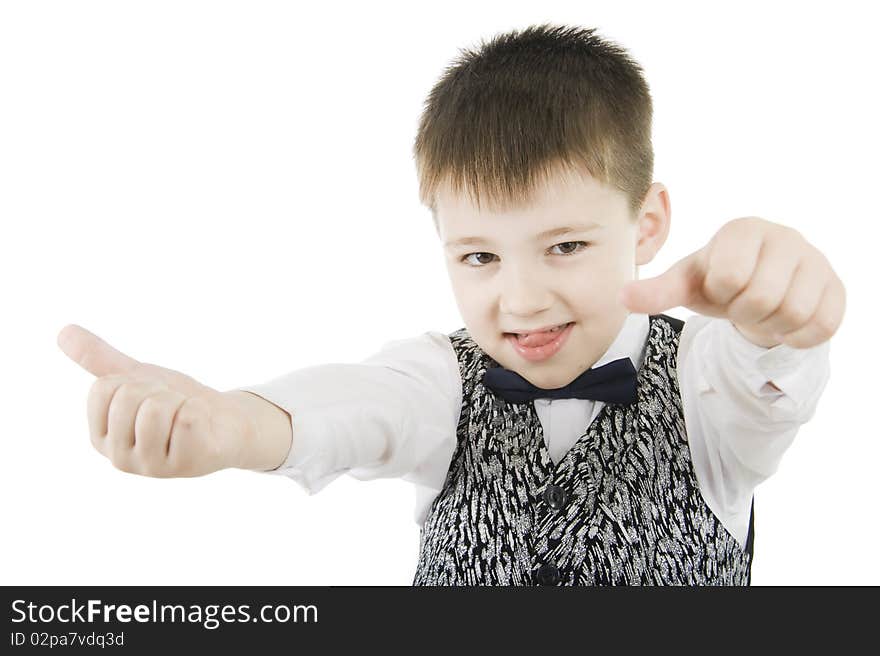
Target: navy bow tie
<point>614,382</point>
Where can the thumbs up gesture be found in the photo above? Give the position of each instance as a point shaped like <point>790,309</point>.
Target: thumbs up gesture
<point>153,421</point>
<point>772,284</point>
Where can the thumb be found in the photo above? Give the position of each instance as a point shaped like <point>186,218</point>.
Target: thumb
<point>92,353</point>
<point>669,290</point>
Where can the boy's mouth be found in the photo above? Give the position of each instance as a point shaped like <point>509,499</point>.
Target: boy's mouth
<point>538,332</point>
<point>539,344</point>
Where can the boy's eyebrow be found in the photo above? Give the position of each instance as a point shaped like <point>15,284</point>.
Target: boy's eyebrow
<point>553,232</point>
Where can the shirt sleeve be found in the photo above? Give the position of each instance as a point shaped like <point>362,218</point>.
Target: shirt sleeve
<point>394,414</point>
<point>738,426</point>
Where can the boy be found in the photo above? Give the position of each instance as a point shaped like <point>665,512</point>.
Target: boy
<point>570,434</point>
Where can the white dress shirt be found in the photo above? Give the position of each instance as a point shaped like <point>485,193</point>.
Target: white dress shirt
<point>395,413</point>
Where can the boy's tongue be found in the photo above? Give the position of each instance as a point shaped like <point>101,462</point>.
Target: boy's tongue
<point>538,339</point>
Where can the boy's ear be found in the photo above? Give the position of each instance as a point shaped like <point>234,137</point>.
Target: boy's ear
<point>653,223</point>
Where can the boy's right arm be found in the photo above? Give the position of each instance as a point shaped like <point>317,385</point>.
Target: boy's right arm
<point>395,416</point>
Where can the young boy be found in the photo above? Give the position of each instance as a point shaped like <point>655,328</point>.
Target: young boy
<point>570,433</point>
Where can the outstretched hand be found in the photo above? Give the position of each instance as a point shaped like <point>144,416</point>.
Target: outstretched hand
<point>154,421</point>
<point>769,281</point>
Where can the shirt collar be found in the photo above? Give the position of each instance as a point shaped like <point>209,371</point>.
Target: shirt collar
<point>630,341</point>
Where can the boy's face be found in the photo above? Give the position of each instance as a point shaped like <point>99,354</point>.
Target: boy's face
<point>516,279</point>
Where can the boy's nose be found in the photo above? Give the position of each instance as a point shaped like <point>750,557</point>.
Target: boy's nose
<point>523,295</point>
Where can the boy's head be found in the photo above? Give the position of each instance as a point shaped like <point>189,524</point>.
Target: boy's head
<point>540,130</point>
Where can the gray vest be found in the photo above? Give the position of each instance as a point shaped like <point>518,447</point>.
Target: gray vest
<point>621,508</point>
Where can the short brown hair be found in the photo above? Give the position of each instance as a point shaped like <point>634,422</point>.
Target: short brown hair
<point>502,119</point>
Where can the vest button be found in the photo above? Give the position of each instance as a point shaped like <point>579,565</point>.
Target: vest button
<point>548,575</point>
<point>555,496</point>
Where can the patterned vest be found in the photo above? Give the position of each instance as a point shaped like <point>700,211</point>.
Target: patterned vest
<point>621,508</point>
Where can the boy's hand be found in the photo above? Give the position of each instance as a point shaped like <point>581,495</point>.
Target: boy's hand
<point>772,284</point>
<point>154,421</point>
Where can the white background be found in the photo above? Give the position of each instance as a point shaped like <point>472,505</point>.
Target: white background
<point>227,189</point>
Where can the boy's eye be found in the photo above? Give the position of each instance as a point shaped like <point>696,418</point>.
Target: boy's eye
<point>571,243</point>
<point>567,250</point>
<point>479,262</point>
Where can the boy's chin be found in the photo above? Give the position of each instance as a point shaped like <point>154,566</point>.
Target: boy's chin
<point>551,380</point>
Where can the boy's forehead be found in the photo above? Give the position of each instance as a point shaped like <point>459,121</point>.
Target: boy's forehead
<point>561,201</point>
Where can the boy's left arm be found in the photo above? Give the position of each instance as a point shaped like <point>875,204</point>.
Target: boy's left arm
<point>771,283</point>
<point>780,302</point>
